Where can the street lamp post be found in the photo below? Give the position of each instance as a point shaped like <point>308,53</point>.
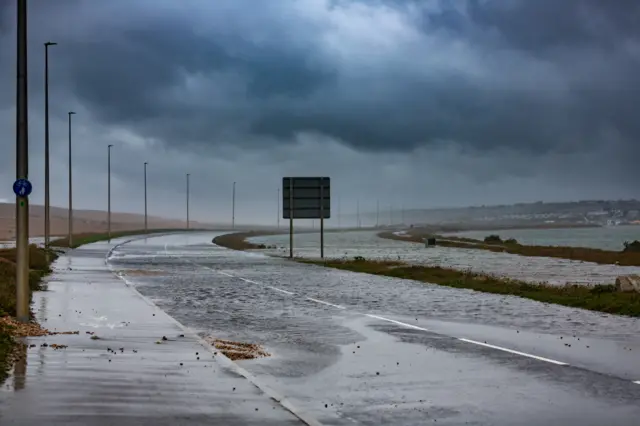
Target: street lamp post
<point>47,222</point>
<point>109,191</point>
<point>70,238</point>
<point>145,197</point>
<point>22,166</point>
<point>188,174</point>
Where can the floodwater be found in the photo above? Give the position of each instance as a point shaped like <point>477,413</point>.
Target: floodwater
<point>370,246</point>
<point>605,238</point>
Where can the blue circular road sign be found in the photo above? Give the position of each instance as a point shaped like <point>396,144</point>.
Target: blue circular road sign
<point>22,188</point>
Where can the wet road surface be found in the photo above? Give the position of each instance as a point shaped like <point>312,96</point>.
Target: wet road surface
<point>358,349</point>
<point>130,375</point>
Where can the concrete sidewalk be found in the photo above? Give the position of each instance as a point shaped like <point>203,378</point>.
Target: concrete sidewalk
<point>124,377</point>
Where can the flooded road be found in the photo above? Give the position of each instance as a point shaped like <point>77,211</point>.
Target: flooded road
<point>370,246</point>
<point>359,349</point>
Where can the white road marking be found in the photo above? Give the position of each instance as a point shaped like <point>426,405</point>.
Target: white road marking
<point>281,290</point>
<point>247,280</point>
<point>637,382</point>
<point>325,303</point>
<point>539,358</point>
<point>404,324</point>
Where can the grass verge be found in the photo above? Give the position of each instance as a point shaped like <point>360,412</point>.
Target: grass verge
<point>88,238</point>
<point>39,266</point>
<point>238,240</point>
<point>585,254</point>
<point>601,298</point>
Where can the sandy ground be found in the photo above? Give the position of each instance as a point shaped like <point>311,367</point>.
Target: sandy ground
<point>84,221</point>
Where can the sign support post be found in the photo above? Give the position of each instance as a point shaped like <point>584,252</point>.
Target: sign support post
<point>306,198</point>
<point>291,218</point>
<point>321,220</point>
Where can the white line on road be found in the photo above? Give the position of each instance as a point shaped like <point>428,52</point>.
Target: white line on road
<point>637,382</point>
<point>404,324</point>
<point>281,290</point>
<point>325,303</point>
<point>539,358</point>
<point>247,280</point>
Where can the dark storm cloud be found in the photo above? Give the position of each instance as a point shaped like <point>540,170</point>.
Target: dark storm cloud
<point>536,76</point>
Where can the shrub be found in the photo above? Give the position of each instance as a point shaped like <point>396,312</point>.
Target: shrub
<point>633,246</point>
<point>492,239</point>
<point>511,241</point>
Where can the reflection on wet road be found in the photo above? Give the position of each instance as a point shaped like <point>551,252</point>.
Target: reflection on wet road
<point>359,349</point>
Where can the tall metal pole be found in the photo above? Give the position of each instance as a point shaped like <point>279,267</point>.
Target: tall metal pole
<point>188,200</point>
<point>145,199</point>
<point>22,167</point>
<point>70,237</point>
<point>47,221</point>
<point>233,207</point>
<point>109,191</point>
<point>377,213</point>
<point>321,218</point>
<point>291,213</point>
<point>278,201</point>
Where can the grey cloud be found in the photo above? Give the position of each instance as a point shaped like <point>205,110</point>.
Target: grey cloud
<point>533,83</point>
<point>288,87</point>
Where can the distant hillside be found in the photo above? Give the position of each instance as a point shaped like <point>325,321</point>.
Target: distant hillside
<point>84,221</point>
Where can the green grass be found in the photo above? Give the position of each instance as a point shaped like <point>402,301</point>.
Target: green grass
<point>602,298</point>
<point>88,238</point>
<point>238,240</point>
<point>39,266</point>
<point>7,345</point>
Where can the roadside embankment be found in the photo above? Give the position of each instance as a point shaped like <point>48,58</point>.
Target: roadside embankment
<point>602,298</point>
<point>39,265</point>
<point>585,254</point>
<point>238,240</point>
<point>94,237</point>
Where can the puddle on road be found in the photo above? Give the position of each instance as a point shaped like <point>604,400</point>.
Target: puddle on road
<point>237,351</point>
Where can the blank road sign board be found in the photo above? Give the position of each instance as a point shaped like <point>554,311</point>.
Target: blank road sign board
<point>311,197</point>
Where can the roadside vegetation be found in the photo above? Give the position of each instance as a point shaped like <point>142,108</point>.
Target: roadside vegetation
<point>628,256</point>
<point>94,237</point>
<point>602,298</point>
<point>238,240</point>
<point>39,266</point>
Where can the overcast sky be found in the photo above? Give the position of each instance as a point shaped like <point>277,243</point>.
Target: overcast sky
<point>423,103</point>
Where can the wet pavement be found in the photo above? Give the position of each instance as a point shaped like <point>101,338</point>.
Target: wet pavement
<point>370,246</point>
<point>119,369</point>
<point>352,349</point>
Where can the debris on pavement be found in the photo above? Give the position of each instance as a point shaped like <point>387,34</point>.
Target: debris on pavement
<point>237,351</point>
<point>18,329</point>
<point>56,346</point>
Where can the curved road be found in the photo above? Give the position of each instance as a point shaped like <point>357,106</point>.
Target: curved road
<point>355,349</point>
